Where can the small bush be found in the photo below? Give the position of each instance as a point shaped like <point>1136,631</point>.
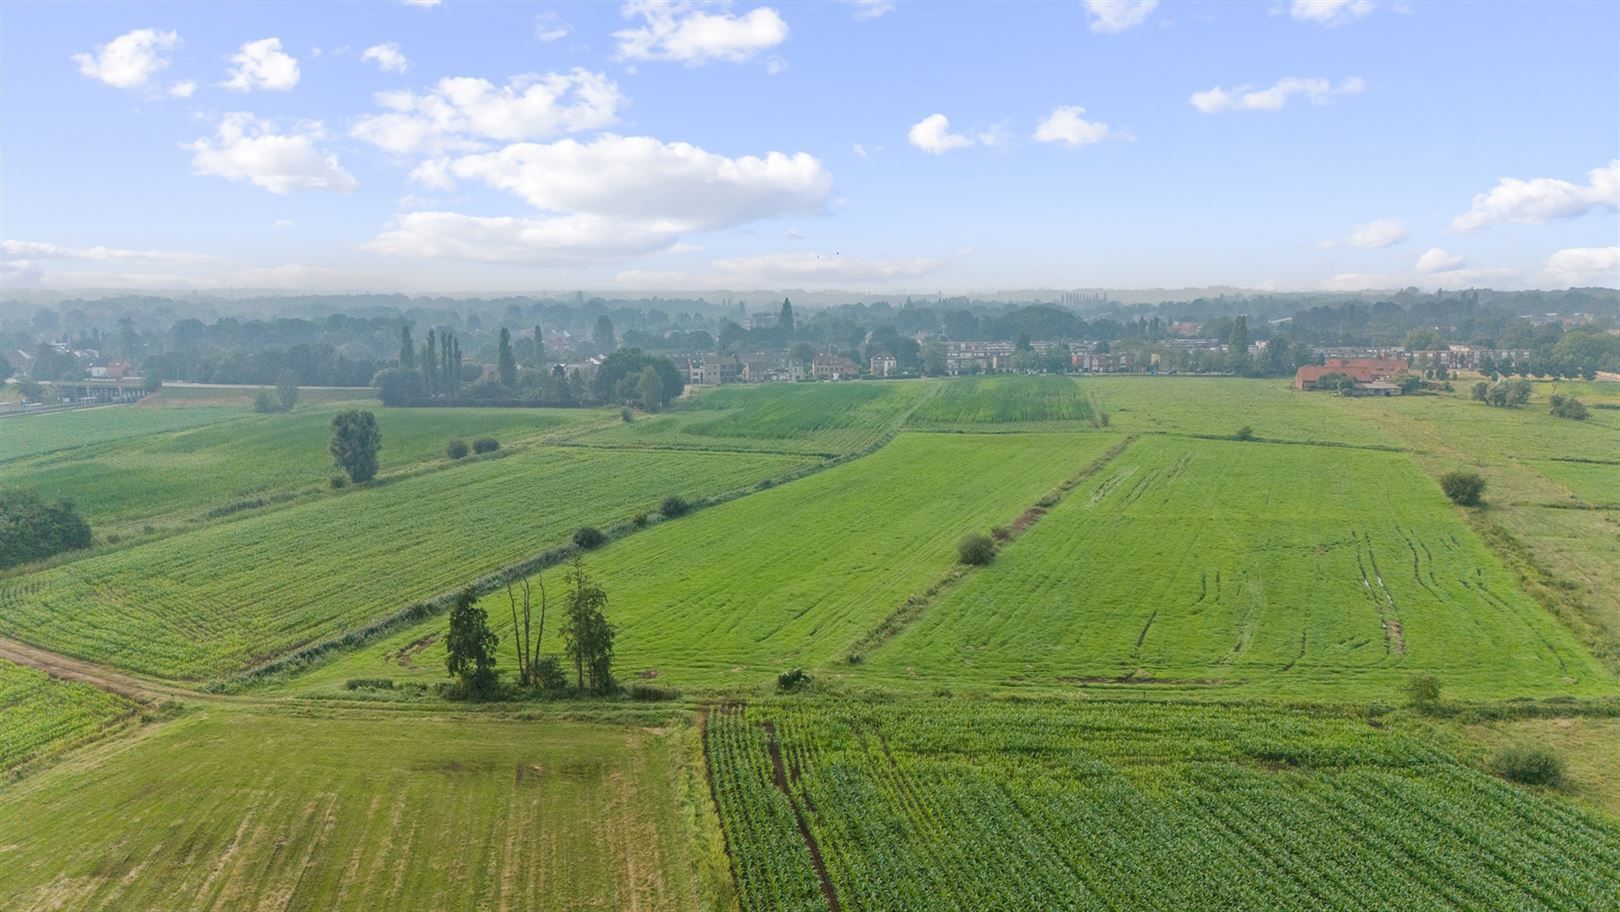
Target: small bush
<point>975,549</point>
<point>792,680</point>
<point>1423,689</point>
<point>854,658</point>
<point>338,481</point>
<point>1528,765</point>
<point>1244,433</point>
<point>1001,533</point>
<point>265,403</point>
<point>765,484</point>
<point>674,506</point>
<point>486,445</point>
<point>589,537</point>
<point>1463,486</point>
<point>549,674</point>
<point>640,520</point>
<point>369,684</point>
<point>648,693</point>
<point>456,449</point>
<point>1569,407</point>
<point>626,415</point>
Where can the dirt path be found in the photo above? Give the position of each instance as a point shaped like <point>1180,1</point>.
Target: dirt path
<point>69,668</point>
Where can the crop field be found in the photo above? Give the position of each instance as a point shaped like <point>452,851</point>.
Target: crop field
<point>32,435</point>
<point>222,598</point>
<point>253,455</point>
<point>940,804</point>
<point>1219,406</point>
<point>1293,569</point>
<point>822,418</point>
<point>229,811</point>
<point>1006,400</point>
<point>38,712</point>
<point>791,576</point>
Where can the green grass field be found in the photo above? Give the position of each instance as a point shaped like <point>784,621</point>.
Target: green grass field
<point>188,471</point>
<point>222,598</point>
<point>32,435</point>
<point>229,811</point>
<point>1219,406</point>
<point>39,713</point>
<point>1006,400</point>
<point>939,804</point>
<point>789,577</point>
<point>1297,570</point>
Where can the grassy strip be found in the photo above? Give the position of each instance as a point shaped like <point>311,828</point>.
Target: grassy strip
<point>1382,448</point>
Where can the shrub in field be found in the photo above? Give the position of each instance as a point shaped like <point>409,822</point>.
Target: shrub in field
<point>640,520</point>
<point>1569,407</point>
<point>456,448</point>
<point>1423,690</point>
<point>338,481</point>
<point>1463,486</point>
<point>975,549</point>
<point>673,506</point>
<point>626,415</point>
<point>1528,765</point>
<point>486,445</point>
<point>589,537</point>
<point>1001,533</point>
<point>549,675</point>
<point>265,403</point>
<point>369,684</point>
<point>1244,433</point>
<point>792,680</point>
<point>649,693</point>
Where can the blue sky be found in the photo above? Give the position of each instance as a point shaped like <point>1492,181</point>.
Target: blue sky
<point>466,146</point>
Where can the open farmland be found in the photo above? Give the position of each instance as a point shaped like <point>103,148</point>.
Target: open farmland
<point>820,418</point>
<point>1219,406</point>
<point>217,600</point>
<point>251,456</point>
<point>790,576</point>
<point>227,811</point>
<point>982,805</point>
<point>1294,569</point>
<point>38,712</point>
<point>1002,401</point>
<point>32,435</point>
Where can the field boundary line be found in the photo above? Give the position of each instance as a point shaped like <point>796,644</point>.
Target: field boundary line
<point>1283,441</point>
<point>916,605</point>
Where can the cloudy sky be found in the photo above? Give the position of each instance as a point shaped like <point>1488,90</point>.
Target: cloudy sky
<point>424,146</point>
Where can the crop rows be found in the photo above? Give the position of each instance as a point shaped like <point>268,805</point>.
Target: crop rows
<point>222,598</point>
<point>1132,805</point>
<point>1004,400</point>
<point>38,711</point>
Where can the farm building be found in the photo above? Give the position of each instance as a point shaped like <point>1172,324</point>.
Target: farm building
<point>1361,370</point>
<point>1376,388</point>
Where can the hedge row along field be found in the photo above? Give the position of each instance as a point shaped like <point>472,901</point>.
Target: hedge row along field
<point>790,576</point>
<point>924,805</point>
<point>220,599</point>
<point>1005,400</point>
<point>229,811</point>
<point>1300,570</point>
<point>38,712</point>
<point>177,472</point>
<point>824,418</point>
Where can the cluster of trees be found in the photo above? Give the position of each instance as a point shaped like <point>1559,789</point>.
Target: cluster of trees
<point>284,397</point>
<point>627,376</point>
<point>31,529</point>
<point>586,633</point>
<point>1503,393</point>
<point>1568,407</point>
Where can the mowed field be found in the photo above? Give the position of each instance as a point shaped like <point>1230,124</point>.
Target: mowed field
<point>214,601</point>
<point>224,810</point>
<point>31,435</point>
<point>929,804</point>
<point>39,713</point>
<point>793,576</point>
<point>1301,570</point>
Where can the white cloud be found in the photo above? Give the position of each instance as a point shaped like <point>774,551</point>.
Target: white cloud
<point>1584,266</point>
<point>282,223</point>
<point>249,149</point>
<point>1111,16</point>
<point>933,135</point>
<point>1436,260</point>
<point>459,111</point>
<point>130,60</point>
<point>793,234</point>
<point>1065,125</point>
<point>858,149</point>
<point>786,270</point>
<point>1330,13</point>
<point>683,32</point>
<point>553,241</point>
<point>1543,199</point>
<point>262,65</point>
<point>39,250</point>
<point>422,4</point>
<point>1373,235</point>
<point>185,88</point>
<point>387,56</point>
<point>1247,98</point>
<point>548,27</point>
<point>871,9</point>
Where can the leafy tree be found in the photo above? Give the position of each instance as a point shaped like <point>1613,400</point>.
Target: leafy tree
<point>674,506</point>
<point>539,349</point>
<point>1569,407</point>
<point>934,360</point>
<point>431,364</point>
<point>1518,393</point>
<point>603,336</point>
<point>785,319</point>
<point>485,445</point>
<point>506,360</point>
<point>407,348</point>
<point>975,549</point>
<point>6,370</point>
<point>264,403</point>
<point>470,644</point>
<point>587,635</point>
<point>1480,392</point>
<point>287,389</point>
<point>630,364</point>
<point>588,537</point>
<point>398,386</point>
<point>456,448</point>
<point>1237,345</point>
<point>1463,486</point>
<point>650,389</point>
<point>31,529</point>
<point>355,442</point>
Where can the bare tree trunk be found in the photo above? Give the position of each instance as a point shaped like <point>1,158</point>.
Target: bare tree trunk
<point>523,671</point>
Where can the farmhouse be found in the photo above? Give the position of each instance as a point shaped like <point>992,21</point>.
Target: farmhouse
<point>828,366</point>
<point>884,365</point>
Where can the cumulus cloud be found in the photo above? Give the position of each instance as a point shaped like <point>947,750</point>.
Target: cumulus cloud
<point>387,57</point>
<point>871,9</point>
<point>1274,98</point>
<point>130,60</point>
<point>1065,125</point>
<point>1330,13</point>
<point>458,112</point>
<point>40,250</point>
<point>248,148</point>
<point>262,65</point>
<point>1436,260</point>
<point>422,4</point>
<point>548,27</point>
<point>1543,199</point>
<point>185,88</point>
<point>1111,16</point>
<point>1584,266</point>
<point>933,135</point>
<point>684,32</point>
<point>554,241</point>
<point>786,270</point>
<point>1373,235</point>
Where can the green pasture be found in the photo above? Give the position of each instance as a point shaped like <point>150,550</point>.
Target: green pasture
<point>999,401</point>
